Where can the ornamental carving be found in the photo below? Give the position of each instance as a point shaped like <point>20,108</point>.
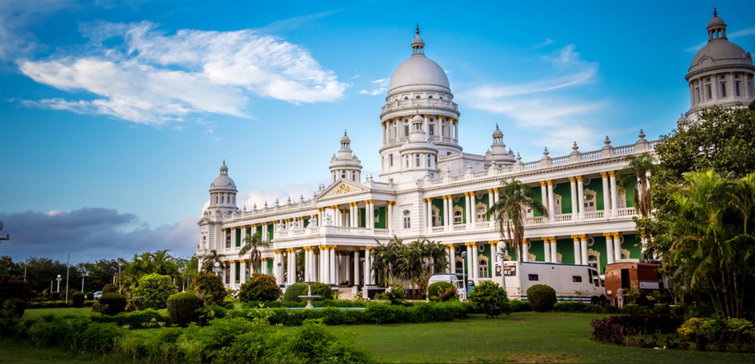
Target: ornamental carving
<point>343,189</point>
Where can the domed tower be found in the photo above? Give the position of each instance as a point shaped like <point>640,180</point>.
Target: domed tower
<point>418,86</point>
<point>346,165</point>
<point>498,153</point>
<point>223,192</point>
<point>419,157</point>
<point>721,72</point>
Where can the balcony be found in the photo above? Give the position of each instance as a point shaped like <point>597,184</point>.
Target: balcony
<point>324,231</point>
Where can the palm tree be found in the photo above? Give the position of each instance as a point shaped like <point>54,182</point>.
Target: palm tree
<point>251,245</point>
<point>636,176</point>
<point>208,263</point>
<point>163,263</point>
<point>436,252</point>
<point>385,263</point>
<point>509,212</point>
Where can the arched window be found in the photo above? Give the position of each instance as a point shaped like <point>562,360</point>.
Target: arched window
<point>416,160</point>
<point>592,260</point>
<point>407,220</point>
<point>204,241</point>
<point>228,240</point>
<point>590,201</point>
<point>457,217</point>
<point>483,268</point>
<point>480,214</point>
<point>459,265</point>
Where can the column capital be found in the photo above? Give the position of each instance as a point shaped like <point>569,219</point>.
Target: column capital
<point>466,194</point>
<point>616,235</point>
<point>607,235</point>
<point>525,241</point>
<point>575,237</point>
<point>490,190</point>
<point>549,182</point>
<point>391,203</point>
<point>612,173</point>
<point>449,244</point>
<point>579,178</point>
<point>253,226</point>
<point>334,207</point>
<point>493,243</point>
<point>583,236</point>
<point>290,250</point>
<point>604,174</point>
<point>233,228</point>
<point>572,179</point>
<point>542,183</point>
<point>277,251</point>
<point>368,248</point>
<point>444,197</point>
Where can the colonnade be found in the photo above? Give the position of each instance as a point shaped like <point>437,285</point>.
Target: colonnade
<point>322,264</point>
<point>442,126</point>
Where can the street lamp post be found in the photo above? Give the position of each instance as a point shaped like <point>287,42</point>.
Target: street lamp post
<point>463,274</point>
<point>58,279</point>
<point>83,275</point>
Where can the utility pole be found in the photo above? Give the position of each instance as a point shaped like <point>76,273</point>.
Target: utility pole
<point>68,268</point>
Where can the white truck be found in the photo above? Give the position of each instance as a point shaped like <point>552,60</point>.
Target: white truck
<point>571,282</point>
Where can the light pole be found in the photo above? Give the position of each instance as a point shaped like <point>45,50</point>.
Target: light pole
<point>463,274</point>
<point>216,270</point>
<point>58,279</point>
<point>83,275</point>
<point>119,277</point>
<point>502,258</point>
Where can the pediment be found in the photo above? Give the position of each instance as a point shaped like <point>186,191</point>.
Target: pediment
<point>342,187</point>
<point>204,221</point>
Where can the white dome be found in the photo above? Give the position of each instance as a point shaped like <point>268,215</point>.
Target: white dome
<point>720,52</point>
<point>223,182</point>
<point>418,70</point>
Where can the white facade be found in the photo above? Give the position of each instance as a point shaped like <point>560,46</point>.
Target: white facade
<point>430,189</point>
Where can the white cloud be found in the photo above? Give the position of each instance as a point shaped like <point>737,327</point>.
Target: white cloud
<point>379,88</point>
<point>154,78</point>
<point>547,41</point>
<point>294,191</point>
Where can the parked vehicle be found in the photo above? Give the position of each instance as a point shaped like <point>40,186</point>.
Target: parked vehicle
<point>572,282</point>
<point>456,279</point>
<point>97,295</point>
<point>634,275</point>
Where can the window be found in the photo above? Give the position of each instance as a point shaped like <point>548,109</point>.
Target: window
<point>436,219</point>
<point>430,97</point>
<point>723,89</point>
<point>204,241</point>
<point>483,268</point>
<point>417,97</point>
<point>416,160</point>
<point>432,129</point>
<point>480,214</point>
<point>354,176</point>
<point>576,279</point>
<point>390,159</point>
<point>406,161</point>
<point>592,260</point>
<point>228,241</point>
<point>406,129</point>
<point>697,91</point>
<point>343,174</point>
<point>589,201</point>
<point>457,217</point>
<point>216,198</point>
<point>708,92</point>
<point>407,220</point>
<point>459,265</point>
<point>534,277</point>
<point>736,88</point>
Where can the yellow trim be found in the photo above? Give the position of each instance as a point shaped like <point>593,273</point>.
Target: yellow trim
<point>579,178</point>
<point>572,179</point>
<point>549,182</point>
<point>611,173</point>
<point>542,183</point>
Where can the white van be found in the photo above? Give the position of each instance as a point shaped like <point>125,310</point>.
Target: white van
<point>571,282</point>
<point>454,279</point>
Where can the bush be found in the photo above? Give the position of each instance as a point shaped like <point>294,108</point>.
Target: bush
<point>394,294</point>
<point>441,292</point>
<point>182,307</point>
<point>54,296</point>
<point>323,290</point>
<point>112,303</point>
<point>209,286</point>
<point>14,287</point>
<point>134,320</point>
<point>294,291</point>
<point>14,307</point>
<point>719,334</point>
<point>490,298</point>
<point>109,288</point>
<point>541,297</point>
<point>78,299</point>
<point>623,330</point>
<point>155,290</point>
<point>260,287</point>
<point>90,296</point>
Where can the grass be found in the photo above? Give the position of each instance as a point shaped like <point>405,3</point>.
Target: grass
<point>33,313</point>
<point>520,337</point>
<point>13,351</point>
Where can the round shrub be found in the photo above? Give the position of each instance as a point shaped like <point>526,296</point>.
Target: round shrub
<point>90,296</point>
<point>16,306</point>
<point>78,299</point>
<point>116,303</point>
<point>55,296</point>
<point>322,290</point>
<point>435,290</point>
<point>260,287</point>
<point>490,298</point>
<point>109,288</point>
<point>209,286</point>
<point>294,291</point>
<point>182,308</point>
<point>155,290</point>
<point>541,297</point>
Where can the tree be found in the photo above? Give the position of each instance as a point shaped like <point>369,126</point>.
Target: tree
<point>408,263</point>
<point>155,288</point>
<point>509,212</point>
<point>208,263</point>
<point>636,175</point>
<point>251,245</point>
<point>712,242</point>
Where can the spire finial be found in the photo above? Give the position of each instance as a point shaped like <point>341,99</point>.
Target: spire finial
<point>344,132</point>
<point>496,126</point>
<point>418,27</point>
<point>715,13</point>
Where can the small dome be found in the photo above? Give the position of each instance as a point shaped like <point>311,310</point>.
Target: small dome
<point>223,182</point>
<point>417,41</point>
<point>497,133</point>
<point>716,22</point>
<point>418,70</point>
<point>681,119</point>
<point>345,139</point>
<point>720,52</point>
<point>417,118</point>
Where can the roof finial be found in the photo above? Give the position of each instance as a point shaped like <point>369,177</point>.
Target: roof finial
<point>344,132</point>
<point>496,126</point>
<point>715,13</point>
<point>418,27</point>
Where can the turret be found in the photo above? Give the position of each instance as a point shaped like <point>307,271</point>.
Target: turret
<point>346,165</point>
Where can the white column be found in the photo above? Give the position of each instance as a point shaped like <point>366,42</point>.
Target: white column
<point>445,213</point>
<point>355,282</point>
<point>472,208</point>
<point>577,251</point>
<point>614,194</point>
<point>544,194</point>
<point>456,131</point>
<point>609,248</point>
<point>617,246</point>
<point>309,265</point>
<point>367,267</point>
<point>525,251</point>
<point>428,204</point>
<point>389,221</point>
<point>452,259</point>
<point>547,249</point>
<point>325,265</point>
<point>573,184</point>
<point>470,262</point>
<point>581,197</point>
<point>369,212</point>
<point>275,267</point>
<point>244,272</point>
<point>551,204</point>
<point>291,266</point>
<point>606,196</point>
<point>353,215</point>
<point>583,247</point>
<point>333,265</point>
<point>233,273</point>
<point>554,250</point>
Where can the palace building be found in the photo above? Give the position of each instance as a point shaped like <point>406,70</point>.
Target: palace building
<point>430,189</point>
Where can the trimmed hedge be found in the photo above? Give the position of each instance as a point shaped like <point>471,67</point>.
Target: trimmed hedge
<point>374,313</point>
<point>134,320</point>
<point>620,329</point>
<point>260,287</point>
<point>320,303</point>
<point>78,299</point>
<point>323,290</point>
<point>294,291</point>
<point>541,297</point>
<point>116,303</point>
<point>490,298</point>
<point>182,308</point>
<point>56,304</point>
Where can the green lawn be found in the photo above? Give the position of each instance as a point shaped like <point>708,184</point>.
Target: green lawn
<point>32,313</point>
<point>12,351</point>
<point>520,337</point>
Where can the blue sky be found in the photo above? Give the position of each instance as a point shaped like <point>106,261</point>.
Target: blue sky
<point>115,116</point>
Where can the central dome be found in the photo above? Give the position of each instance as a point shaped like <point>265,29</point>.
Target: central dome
<point>418,70</point>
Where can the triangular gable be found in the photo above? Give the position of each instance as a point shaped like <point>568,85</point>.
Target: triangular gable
<point>343,187</point>
<point>203,221</point>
